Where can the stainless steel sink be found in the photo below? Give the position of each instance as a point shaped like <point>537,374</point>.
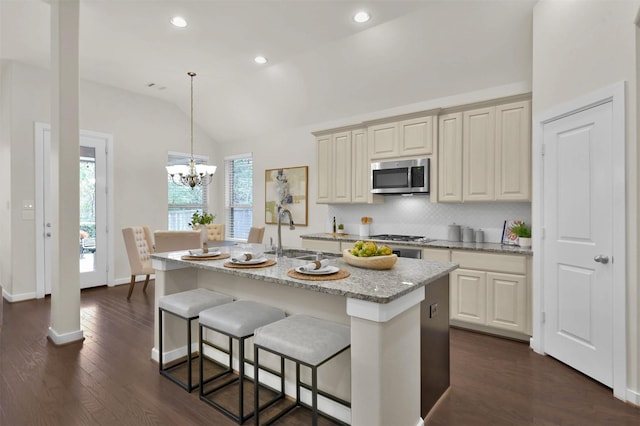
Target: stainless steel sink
<point>302,254</point>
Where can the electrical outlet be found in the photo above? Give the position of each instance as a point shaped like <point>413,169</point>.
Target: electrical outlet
<point>433,310</point>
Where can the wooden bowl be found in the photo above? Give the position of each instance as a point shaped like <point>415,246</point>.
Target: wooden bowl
<point>373,262</point>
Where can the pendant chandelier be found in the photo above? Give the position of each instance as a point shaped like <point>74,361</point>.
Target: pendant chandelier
<point>194,174</point>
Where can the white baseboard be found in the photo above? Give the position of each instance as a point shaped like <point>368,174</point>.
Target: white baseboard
<point>325,405</point>
<point>633,397</point>
<point>61,339</point>
<point>17,297</point>
<point>420,422</point>
<point>120,281</point>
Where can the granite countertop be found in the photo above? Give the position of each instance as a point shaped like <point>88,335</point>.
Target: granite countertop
<point>378,286</point>
<point>444,244</point>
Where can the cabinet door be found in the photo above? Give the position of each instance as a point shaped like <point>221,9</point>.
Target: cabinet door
<point>416,136</point>
<point>513,151</point>
<point>507,301</point>
<point>383,140</point>
<point>450,157</point>
<point>468,295</point>
<point>478,154</point>
<point>360,180</point>
<point>341,168</point>
<point>439,255</point>
<point>324,173</point>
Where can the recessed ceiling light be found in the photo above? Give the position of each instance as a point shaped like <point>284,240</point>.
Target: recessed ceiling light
<point>361,17</point>
<point>260,60</point>
<point>179,21</point>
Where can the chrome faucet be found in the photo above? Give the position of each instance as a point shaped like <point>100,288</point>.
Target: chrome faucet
<point>283,212</point>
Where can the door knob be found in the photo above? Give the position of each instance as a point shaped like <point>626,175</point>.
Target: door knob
<point>601,259</point>
<point>48,234</point>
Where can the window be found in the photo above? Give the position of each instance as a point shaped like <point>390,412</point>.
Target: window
<point>184,201</point>
<point>238,196</point>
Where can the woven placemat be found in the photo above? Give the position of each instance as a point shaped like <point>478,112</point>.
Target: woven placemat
<point>269,262</point>
<point>218,257</point>
<point>336,276</point>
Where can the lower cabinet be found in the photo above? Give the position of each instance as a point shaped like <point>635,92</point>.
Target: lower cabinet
<point>489,298</point>
<point>322,245</point>
<point>489,292</point>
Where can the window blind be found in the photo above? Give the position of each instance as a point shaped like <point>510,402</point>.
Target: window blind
<point>238,196</point>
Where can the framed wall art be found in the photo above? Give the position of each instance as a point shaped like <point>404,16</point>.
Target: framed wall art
<point>286,188</point>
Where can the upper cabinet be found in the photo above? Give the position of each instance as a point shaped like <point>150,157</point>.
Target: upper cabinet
<point>404,138</point>
<point>343,167</point>
<point>485,154</point>
<point>513,151</point>
<point>450,156</point>
<point>479,152</point>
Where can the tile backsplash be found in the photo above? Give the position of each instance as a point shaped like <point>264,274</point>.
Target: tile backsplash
<point>418,216</point>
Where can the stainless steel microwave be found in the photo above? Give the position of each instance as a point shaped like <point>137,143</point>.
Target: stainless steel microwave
<point>400,177</point>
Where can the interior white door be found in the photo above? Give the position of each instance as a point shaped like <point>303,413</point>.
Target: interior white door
<point>578,241</point>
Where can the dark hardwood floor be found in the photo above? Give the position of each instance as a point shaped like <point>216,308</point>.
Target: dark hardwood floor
<point>109,378</point>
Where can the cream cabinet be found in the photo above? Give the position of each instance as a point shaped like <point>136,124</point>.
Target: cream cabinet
<point>450,157</point>
<point>484,154</point>
<point>439,255</point>
<point>343,167</point>
<point>468,290</point>
<point>513,151</point>
<point>322,245</point>
<point>491,292</point>
<point>360,181</point>
<point>403,138</point>
<point>478,154</point>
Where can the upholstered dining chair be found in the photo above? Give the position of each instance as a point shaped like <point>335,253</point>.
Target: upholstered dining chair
<point>215,231</point>
<point>137,241</point>
<point>176,240</point>
<point>256,234</point>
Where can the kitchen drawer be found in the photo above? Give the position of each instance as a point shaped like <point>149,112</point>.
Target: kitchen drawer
<point>508,263</point>
<point>439,255</point>
<point>322,245</point>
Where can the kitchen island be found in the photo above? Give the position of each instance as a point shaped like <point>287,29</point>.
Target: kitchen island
<point>380,374</point>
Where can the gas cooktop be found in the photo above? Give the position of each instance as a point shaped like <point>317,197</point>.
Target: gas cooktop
<point>395,237</point>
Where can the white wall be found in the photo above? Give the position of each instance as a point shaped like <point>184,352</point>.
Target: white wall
<point>144,130</point>
<point>579,47</point>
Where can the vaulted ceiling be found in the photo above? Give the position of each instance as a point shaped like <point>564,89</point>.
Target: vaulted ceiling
<point>322,66</point>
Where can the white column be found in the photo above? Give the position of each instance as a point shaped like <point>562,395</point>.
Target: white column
<point>65,143</point>
<point>385,361</point>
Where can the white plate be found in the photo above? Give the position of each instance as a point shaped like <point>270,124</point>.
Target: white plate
<point>199,253</point>
<point>322,271</point>
<point>249,262</point>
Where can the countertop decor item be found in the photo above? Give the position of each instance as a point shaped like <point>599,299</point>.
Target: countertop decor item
<point>372,262</point>
<point>194,174</point>
<point>508,237</point>
<point>523,232</point>
<point>453,233</point>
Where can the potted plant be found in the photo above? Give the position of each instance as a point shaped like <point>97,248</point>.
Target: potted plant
<point>341,229</point>
<point>523,232</point>
<point>198,219</point>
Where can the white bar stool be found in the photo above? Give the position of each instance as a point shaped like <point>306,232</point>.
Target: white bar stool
<point>186,305</point>
<point>304,340</point>
<point>237,320</point>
